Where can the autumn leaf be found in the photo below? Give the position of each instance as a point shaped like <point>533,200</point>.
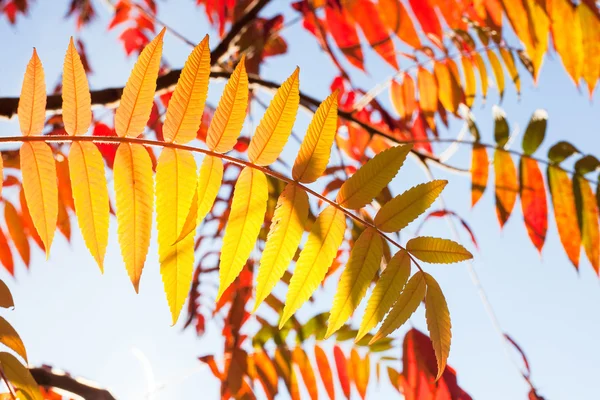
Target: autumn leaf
<point>276,125</point>
<point>396,18</point>
<point>479,172</point>
<point>186,106</point>
<point>134,193</point>
<point>39,184</point>
<point>77,106</point>
<point>362,187</point>
<point>325,371</point>
<point>285,234</point>
<point>11,339</point>
<point>507,185</point>
<point>20,377</point>
<point>138,94</point>
<point>397,213</point>
<point>315,259</point>
<point>32,103</point>
<point>386,291</point>
<point>435,250</point>
<point>301,359</point>
<point>229,116</point>
<point>245,219</point>
<point>438,322</point>
<point>341,364</point>
<point>362,265</point>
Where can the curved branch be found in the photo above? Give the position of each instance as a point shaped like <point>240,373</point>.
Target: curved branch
<point>47,377</point>
<point>244,163</point>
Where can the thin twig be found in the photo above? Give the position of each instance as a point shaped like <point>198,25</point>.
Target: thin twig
<point>170,145</point>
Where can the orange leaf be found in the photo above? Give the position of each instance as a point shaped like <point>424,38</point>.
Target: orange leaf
<point>483,77</point>
<point>427,18</point>
<point>300,358</point>
<point>533,201</point>
<point>449,87</point>
<point>6,254</point>
<point>588,221</point>
<point>77,106</point>
<point>590,33</point>
<point>343,31</point>
<point>470,84</point>
<point>361,369</point>
<point>32,103</point>
<point>403,97</point>
<point>566,36</point>
<point>325,371</point>
<point>16,230</point>
<point>365,14</point>
<point>565,215</point>
<point>507,185</point>
<point>341,364</point>
<point>39,182</point>
<point>396,18</point>
<point>428,95</point>
<point>479,172</point>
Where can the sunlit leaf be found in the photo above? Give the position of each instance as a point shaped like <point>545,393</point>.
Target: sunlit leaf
<point>362,265</point>
<point>386,292</point>
<point>186,106</point>
<point>497,70</point>
<point>20,377</point>
<point>175,189</point>
<point>590,34</point>
<point>397,213</point>
<point>90,193</point>
<point>428,95</point>
<point>300,358</point>
<point>506,185</point>
<point>566,36</point>
<point>315,259</point>
<point>134,193</point>
<point>588,221</point>
<point>16,229</point>
<point>438,322</point>
<point>209,183</point>
<point>77,106</point>
<point>483,76</point>
<point>285,234</point>
<point>229,117</point>
<point>341,364</point>
<point>403,97</point>
<point>32,103</point>
<point>315,149</point>
<point>39,183</point>
<point>396,18</point>
<point>138,94</point>
<point>533,201</point>
<point>11,339</point>
<point>435,250</point>
<point>276,125</point>
<point>245,219</point>
<point>479,172</point>
<point>406,304</point>
<point>470,84</point>
<point>361,370</point>
<point>325,371</point>
<point>362,187</point>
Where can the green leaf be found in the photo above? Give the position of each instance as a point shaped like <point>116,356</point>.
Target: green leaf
<point>535,132</point>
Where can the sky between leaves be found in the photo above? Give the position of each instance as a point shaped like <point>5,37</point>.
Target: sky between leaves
<point>555,330</point>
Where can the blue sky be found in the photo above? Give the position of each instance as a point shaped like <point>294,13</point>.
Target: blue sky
<point>92,325</point>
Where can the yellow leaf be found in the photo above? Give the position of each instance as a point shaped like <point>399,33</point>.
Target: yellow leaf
<point>11,339</point>
<point>386,292</point>
<point>77,103</point>
<point>322,245</point>
<point>190,220</point>
<point>509,63</point>
<point>438,322</point>
<point>589,221</point>
<point>497,70</point>
<point>397,213</point>
<point>186,106</point>
<point>209,183</point>
<point>406,304</point>
<point>590,36</point>
<point>175,189</point>
<point>470,84</point>
<point>362,187</point>
<point>20,377</point>
<point>285,234</point>
<point>134,193</point>
<point>90,195</point>
<point>363,263</point>
<point>229,117</point>
<point>483,77</point>
<point>6,299</point>
<point>32,103</point>
<point>248,210</point>
<point>435,250</point>
<point>41,191</point>
<point>276,125</point>
<point>138,94</point>
<point>315,149</point>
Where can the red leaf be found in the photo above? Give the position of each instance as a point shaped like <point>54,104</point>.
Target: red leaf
<point>396,18</point>
<point>341,364</point>
<point>533,201</point>
<point>419,133</point>
<point>365,13</point>
<point>479,172</point>
<point>344,34</point>
<point>108,150</point>
<point>134,40</point>
<point>427,19</point>
<point>5,254</point>
<point>122,10</point>
<point>325,371</point>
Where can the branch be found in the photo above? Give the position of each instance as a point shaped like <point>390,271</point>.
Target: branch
<point>47,377</point>
<point>237,29</point>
